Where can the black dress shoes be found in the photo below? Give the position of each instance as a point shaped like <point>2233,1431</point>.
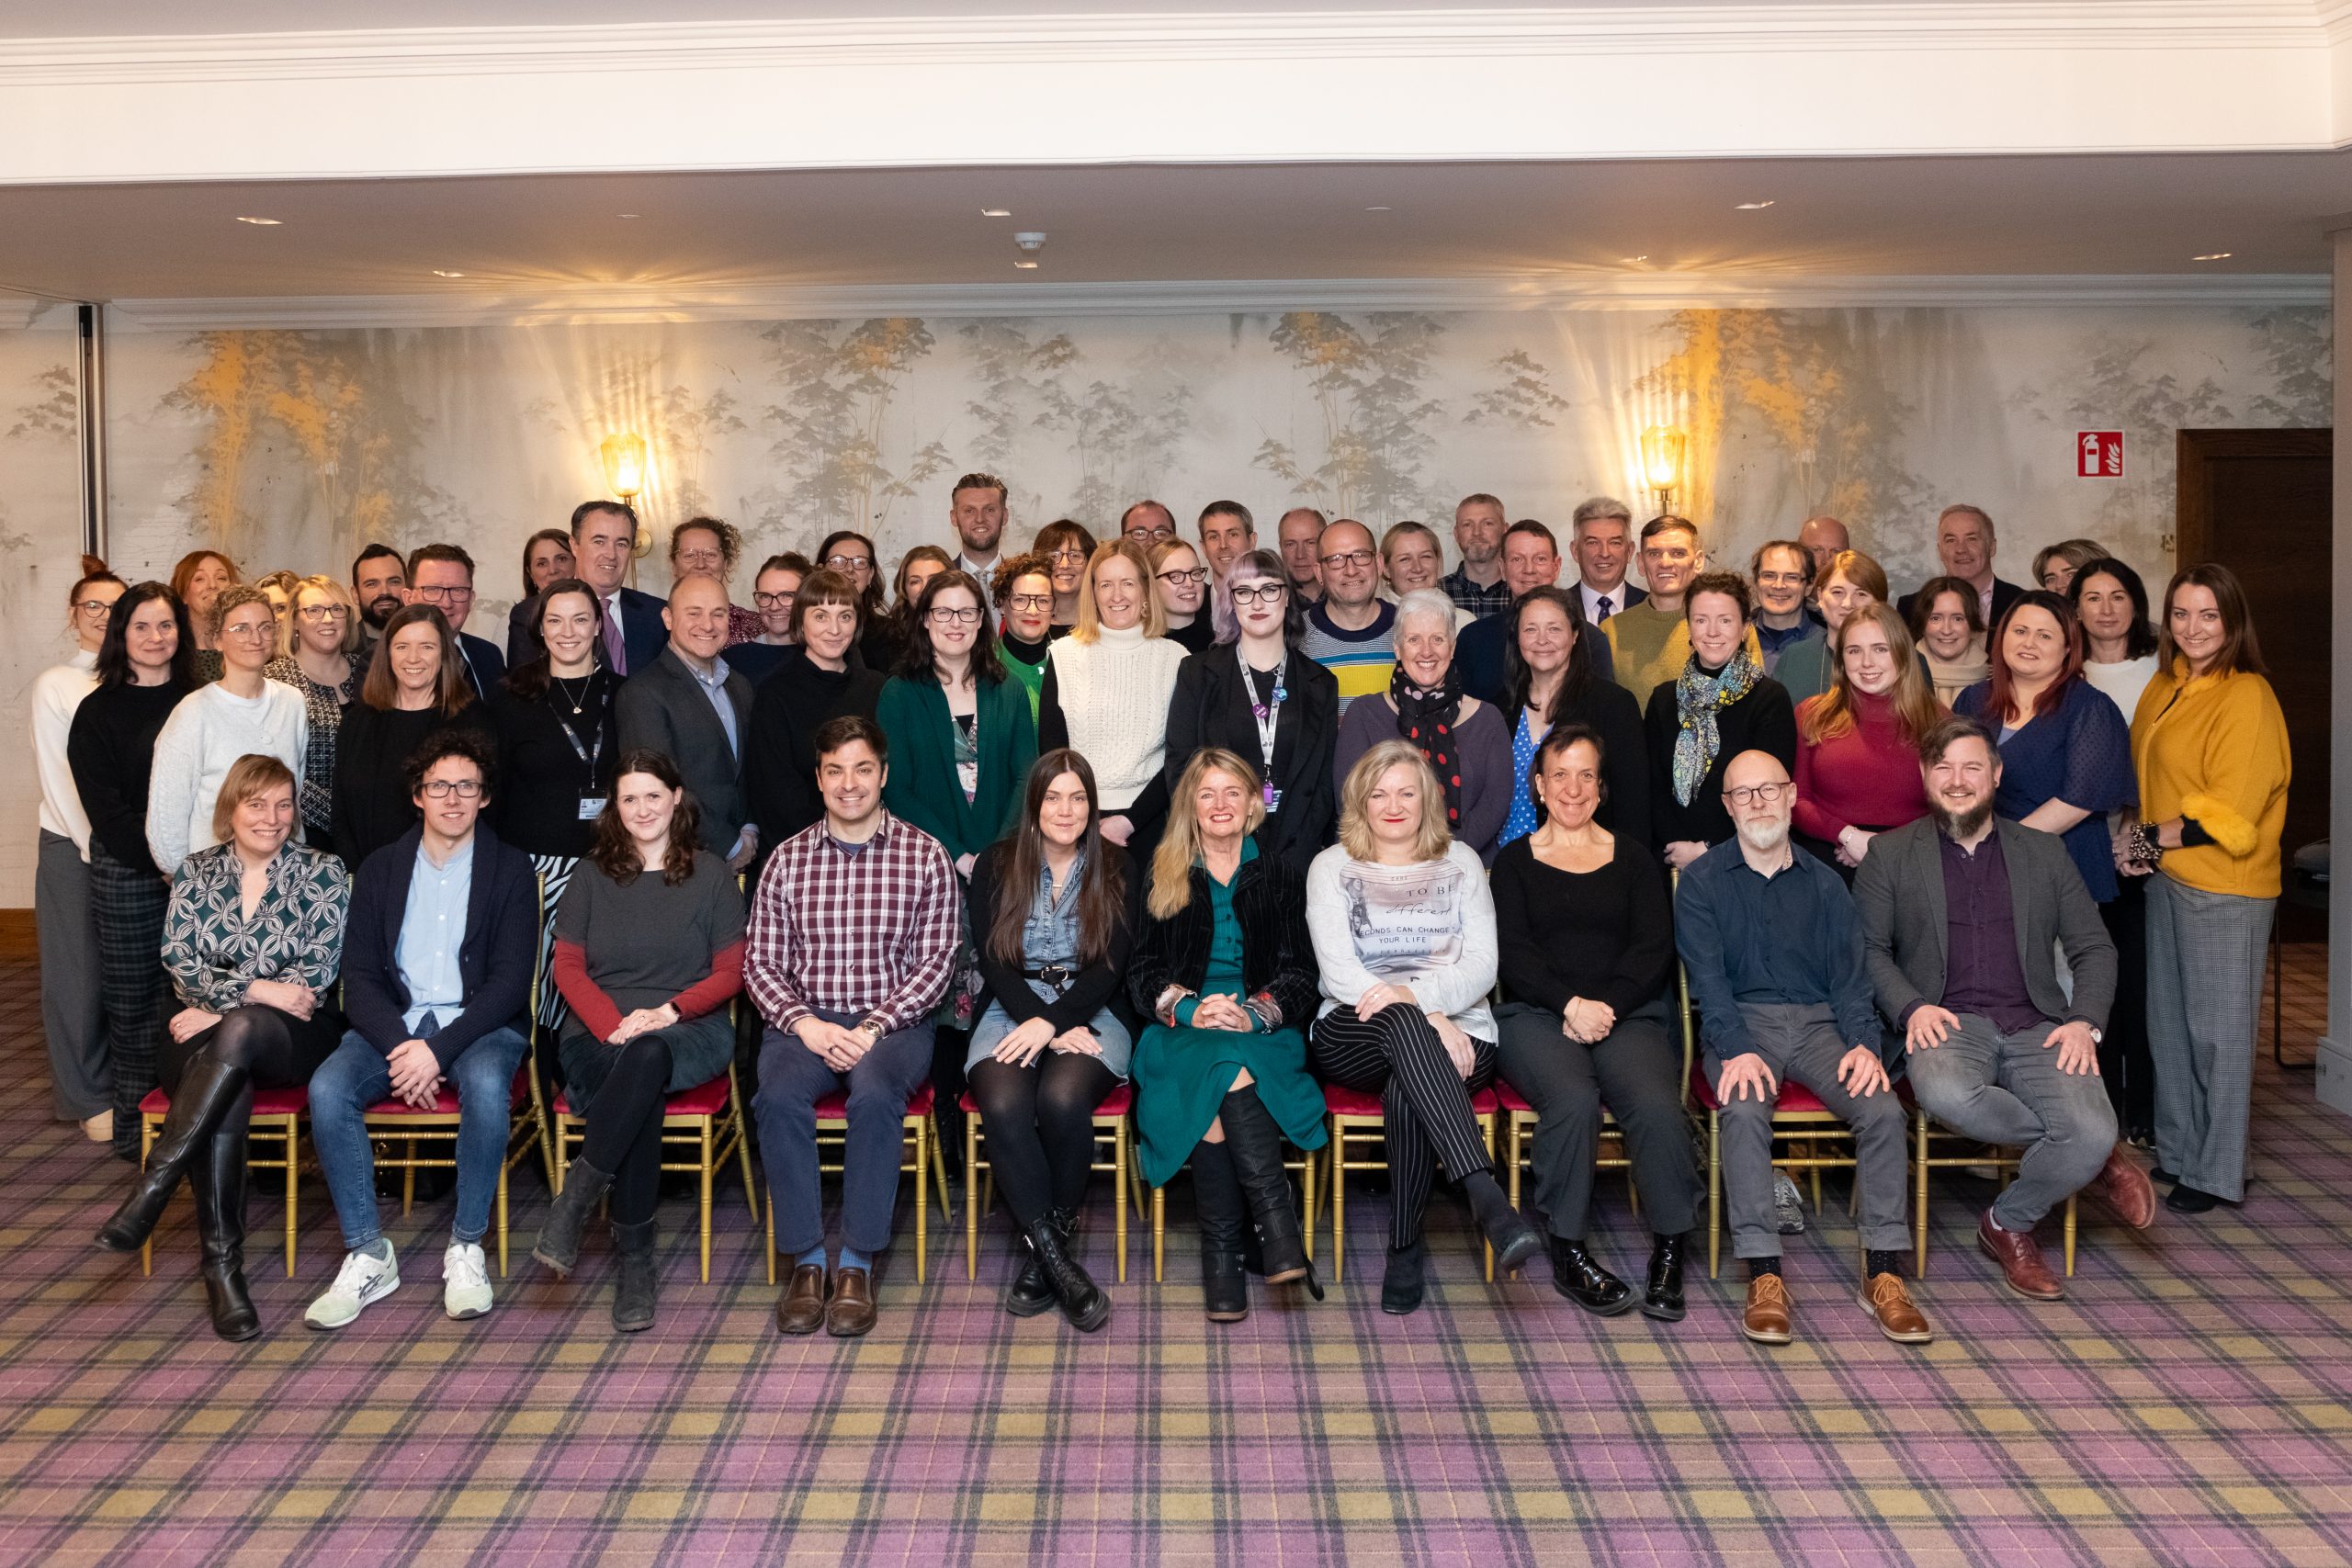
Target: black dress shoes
<point>1577,1275</point>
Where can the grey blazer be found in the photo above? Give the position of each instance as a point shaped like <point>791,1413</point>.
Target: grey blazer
<point>663,709</point>
<point>1900,893</point>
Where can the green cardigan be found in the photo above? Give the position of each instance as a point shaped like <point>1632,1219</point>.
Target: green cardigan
<point>923,788</point>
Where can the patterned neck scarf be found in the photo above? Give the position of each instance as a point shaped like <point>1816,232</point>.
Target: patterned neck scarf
<point>1428,720</point>
<point>1698,698</point>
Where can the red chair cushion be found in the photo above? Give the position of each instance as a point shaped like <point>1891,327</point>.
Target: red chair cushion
<point>1795,1097</point>
<point>266,1101</point>
<point>835,1105</point>
<point>1342,1101</point>
<point>703,1099</point>
<point>1509,1098</point>
<point>1114,1104</point>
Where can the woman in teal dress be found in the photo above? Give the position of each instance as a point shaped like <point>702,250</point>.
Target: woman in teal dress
<point>1225,968</point>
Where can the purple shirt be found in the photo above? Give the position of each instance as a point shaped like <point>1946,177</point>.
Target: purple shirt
<point>1982,973</point>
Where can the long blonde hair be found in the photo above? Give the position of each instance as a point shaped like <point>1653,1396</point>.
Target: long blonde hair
<point>1089,627</point>
<point>1430,839</point>
<point>1914,696</point>
<point>1180,844</point>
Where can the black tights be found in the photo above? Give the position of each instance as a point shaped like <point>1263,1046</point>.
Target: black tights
<point>272,1049</point>
<point>1040,1125</point>
<point>623,1135</point>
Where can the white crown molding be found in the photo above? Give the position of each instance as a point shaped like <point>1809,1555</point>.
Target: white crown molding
<point>1257,36</point>
<point>18,311</point>
<point>1618,292</point>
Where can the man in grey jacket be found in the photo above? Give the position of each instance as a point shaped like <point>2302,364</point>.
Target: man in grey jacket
<point>688,705</point>
<point>1962,917</point>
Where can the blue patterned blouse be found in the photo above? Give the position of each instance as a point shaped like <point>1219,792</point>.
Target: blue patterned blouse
<point>2080,754</point>
<point>213,952</point>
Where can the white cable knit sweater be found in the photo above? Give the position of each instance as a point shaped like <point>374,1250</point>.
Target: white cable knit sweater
<point>1115,693</point>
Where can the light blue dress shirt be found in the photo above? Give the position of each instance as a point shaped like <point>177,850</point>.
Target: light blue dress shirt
<point>431,932</point>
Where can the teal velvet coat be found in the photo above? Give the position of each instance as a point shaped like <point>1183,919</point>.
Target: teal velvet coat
<point>923,786</point>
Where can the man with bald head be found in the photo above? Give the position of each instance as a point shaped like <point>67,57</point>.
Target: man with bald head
<point>1299,536</point>
<point>691,708</point>
<point>1351,631</point>
<point>1823,537</point>
<point>1148,523</point>
<point>1774,948</point>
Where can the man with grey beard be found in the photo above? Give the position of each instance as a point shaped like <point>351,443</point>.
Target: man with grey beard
<point>1961,916</point>
<point>1774,954</point>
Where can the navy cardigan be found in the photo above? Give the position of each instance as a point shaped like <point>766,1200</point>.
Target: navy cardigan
<point>494,961</point>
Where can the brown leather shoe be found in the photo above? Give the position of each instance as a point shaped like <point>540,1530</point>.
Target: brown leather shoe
<point>2123,1185</point>
<point>851,1312</point>
<point>1891,1305</point>
<point>1766,1321</point>
<point>801,1308</point>
<point>2019,1256</point>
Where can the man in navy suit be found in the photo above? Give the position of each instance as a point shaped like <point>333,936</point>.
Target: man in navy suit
<point>443,577</point>
<point>1964,548</point>
<point>1600,536</point>
<point>603,539</point>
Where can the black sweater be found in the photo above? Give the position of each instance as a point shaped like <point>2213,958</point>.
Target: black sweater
<point>111,749</point>
<point>780,762</point>
<point>1212,708</point>
<point>1764,720</point>
<point>1277,954</point>
<point>373,805</point>
<point>1605,935</point>
<point>1096,986</point>
<point>1607,708</point>
<point>540,777</point>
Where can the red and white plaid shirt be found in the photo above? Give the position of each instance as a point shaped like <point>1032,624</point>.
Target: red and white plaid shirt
<point>868,929</point>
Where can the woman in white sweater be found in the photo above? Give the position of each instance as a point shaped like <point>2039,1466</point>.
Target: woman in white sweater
<point>241,714</point>
<point>1404,932</point>
<point>1107,692</point>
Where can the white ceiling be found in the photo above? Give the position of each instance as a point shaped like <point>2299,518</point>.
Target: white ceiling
<point>547,234</point>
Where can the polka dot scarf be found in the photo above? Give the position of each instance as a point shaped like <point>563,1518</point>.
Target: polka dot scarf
<point>1427,719</point>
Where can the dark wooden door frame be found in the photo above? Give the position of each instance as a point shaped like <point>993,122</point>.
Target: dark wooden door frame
<point>2193,450</point>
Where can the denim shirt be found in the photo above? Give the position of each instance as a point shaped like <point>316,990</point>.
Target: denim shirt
<point>1050,933</point>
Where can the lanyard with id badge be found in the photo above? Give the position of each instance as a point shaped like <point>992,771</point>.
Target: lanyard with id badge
<point>592,805</point>
<point>1268,715</point>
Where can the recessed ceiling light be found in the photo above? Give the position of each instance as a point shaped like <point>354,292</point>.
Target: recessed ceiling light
<point>1631,259</point>
<point>2217,256</point>
<point>444,272</point>
<point>1379,210</point>
<point>623,214</point>
<point>1752,207</point>
<point>263,222</point>
<point>996,212</point>
<point>1027,266</point>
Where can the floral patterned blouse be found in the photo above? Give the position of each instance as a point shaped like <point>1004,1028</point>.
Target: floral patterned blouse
<point>213,952</point>
<point>322,706</point>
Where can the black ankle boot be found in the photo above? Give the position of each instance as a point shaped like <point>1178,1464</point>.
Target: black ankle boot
<point>217,1180</point>
<point>1401,1286</point>
<point>207,1093</point>
<point>1081,1299</point>
<point>1578,1276</point>
<point>637,1280</point>
<point>1031,1292</point>
<point>1663,1300</point>
<point>568,1213</point>
<point>1507,1230</point>
<point>1217,1202</point>
<point>1255,1142</point>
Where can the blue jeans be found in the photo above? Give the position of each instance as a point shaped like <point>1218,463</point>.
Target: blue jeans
<point>792,1080</point>
<point>356,1078</point>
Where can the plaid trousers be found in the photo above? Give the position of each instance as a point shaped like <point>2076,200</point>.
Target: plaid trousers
<point>128,905</point>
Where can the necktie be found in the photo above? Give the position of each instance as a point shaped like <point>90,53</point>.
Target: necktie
<point>616,646</point>
<point>1603,602</point>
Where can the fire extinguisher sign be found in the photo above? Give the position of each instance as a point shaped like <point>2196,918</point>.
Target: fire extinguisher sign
<point>2098,455</point>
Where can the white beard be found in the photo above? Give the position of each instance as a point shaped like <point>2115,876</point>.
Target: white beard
<point>1765,838</point>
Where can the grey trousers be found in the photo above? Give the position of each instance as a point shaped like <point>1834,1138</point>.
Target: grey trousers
<point>81,1084</point>
<point>2206,951</point>
<point>2006,1089</point>
<point>1635,1074</point>
<point>1801,1045</point>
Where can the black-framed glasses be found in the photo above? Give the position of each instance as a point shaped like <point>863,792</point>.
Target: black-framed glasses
<point>1349,558</point>
<point>953,614</point>
<point>1759,795</point>
<point>1031,601</point>
<point>323,612</point>
<point>94,607</point>
<point>444,595</point>
<point>1186,577</point>
<point>773,601</point>
<point>850,563</point>
<point>1261,593</point>
<point>442,789</point>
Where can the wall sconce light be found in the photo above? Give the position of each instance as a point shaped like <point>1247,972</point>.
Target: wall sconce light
<point>624,456</point>
<point>1662,447</point>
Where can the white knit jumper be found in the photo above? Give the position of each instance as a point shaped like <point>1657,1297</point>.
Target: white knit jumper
<point>1114,692</point>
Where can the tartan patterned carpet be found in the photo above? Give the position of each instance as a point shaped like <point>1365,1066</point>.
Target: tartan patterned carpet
<point>2191,1402</point>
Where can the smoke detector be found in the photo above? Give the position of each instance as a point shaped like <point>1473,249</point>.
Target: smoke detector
<point>1030,242</point>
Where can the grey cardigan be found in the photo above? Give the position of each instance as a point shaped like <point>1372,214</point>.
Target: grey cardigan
<point>1900,894</point>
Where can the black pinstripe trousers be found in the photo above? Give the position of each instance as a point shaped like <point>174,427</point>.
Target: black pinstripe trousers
<point>1425,1100</point>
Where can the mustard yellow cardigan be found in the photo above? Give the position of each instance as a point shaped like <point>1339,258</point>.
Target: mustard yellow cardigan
<point>2214,748</point>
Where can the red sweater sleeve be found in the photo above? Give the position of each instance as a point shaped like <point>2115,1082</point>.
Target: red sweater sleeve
<point>583,996</point>
<point>714,990</point>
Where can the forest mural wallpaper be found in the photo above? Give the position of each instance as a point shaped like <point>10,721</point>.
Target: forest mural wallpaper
<point>291,448</point>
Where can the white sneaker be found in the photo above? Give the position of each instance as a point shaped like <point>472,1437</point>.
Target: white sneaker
<point>1788,1204</point>
<point>362,1281</point>
<point>465,1280</point>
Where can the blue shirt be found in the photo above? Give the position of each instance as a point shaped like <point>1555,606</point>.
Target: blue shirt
<point>714,686</point>
<point>1792,938</point>
<point>432,931</point>
<point>2079,752</point>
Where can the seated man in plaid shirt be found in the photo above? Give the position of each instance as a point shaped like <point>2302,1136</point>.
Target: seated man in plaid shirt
<point>853,935</point>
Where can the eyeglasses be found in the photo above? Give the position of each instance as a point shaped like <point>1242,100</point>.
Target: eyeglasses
<point>700,558</point>
<point>323,612</point>
<point>773,601</point>
<point>1070,553</point>
<point>1182,576</point>
<point>251,628</point>
<point>95,606</point>
<point>1757,795</point>
<point>850,563</point>
<point>953,614</point>
<point>1031,601</point>
<point>1349,558</point>
<point>1260,593</point>
<point>442,789</point>
<point>444,595</point>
